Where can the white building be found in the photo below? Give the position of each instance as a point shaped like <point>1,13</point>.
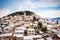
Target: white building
<point>31,31</point>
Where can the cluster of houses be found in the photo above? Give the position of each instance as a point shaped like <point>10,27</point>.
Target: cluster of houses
<point>27,27</point>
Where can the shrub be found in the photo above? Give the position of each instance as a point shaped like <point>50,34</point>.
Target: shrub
<point>44,29</point>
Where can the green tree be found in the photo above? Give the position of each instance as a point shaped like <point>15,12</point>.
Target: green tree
<point>21,13</point>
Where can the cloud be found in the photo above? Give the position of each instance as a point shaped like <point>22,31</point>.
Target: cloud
<point>49,14</point>
<point>33,5</point>
<point>42,3</point>
<point>4,12</point>
<point>29,4</point>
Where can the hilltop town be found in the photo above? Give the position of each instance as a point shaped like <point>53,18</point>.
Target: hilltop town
<point>28,27</point>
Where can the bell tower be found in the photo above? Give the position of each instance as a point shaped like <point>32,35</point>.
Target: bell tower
<point>24,15</point>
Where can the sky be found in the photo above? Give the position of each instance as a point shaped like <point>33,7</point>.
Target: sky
<point>43,8</point>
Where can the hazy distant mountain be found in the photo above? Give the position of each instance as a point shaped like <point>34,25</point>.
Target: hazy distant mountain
<point>57,18</point>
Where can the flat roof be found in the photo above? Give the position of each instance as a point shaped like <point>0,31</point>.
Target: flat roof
<point>6,34</point>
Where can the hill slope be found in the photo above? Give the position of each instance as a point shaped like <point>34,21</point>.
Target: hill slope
<point>21,13</point>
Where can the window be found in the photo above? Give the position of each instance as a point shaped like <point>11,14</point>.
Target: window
<point>29,31</point>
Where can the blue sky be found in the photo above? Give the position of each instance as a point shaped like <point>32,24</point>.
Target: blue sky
<point>36,6</point>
